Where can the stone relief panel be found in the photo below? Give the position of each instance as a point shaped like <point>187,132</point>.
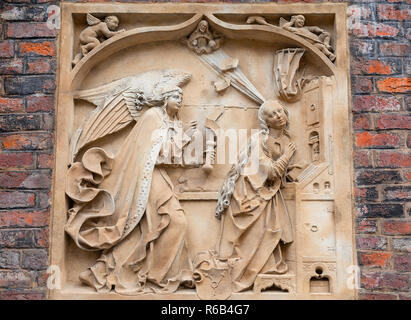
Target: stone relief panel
<point>196,145</point>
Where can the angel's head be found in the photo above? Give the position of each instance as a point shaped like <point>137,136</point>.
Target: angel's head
<point>111,22</point>
<point>173,100</point>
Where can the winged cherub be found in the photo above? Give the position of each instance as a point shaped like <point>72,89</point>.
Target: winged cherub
<point>89,37</point>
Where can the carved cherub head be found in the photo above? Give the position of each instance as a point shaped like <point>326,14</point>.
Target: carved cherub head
<point>272,114</point>
<point>299,20</point>
<point>111,22</point>
<point>203,26</point>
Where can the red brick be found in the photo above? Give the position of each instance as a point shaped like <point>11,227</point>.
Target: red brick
<point>29,180</point>
<point>30,30</point>
<point>392,12</point>
<point>38,103</point>
<point>376,103</point>
<point>43,48</point>
<point>10,105</point>
<point>39,66</point>
<point>376,296</point>
<point>21,295</point>
<point>366,226</point>
<point>376,140</point>
<point>362,159</point>
<point>374,259</point>
<point>24,238</point>
<point>362,66</point>
<point>16,199</point>
<point>394,49</point>
<point>361,85</point>
<point>404,296</point>
<point>380,210</point>
<point>11,66</point>
<point>15,279</point>
<point>20,122</point>
<point>397,193</point>
<point>402,262</point>
<point>384,280</point>
<point>34,259</point>
<point>361,122</point>
<point>396,227</point>
<point>24,218</point>
<point>370,193</point>
<point>45,161</point>
<point>373,30</point>
<point>372,243</point>
<point>24,141</point>
<point>394,85</point>
<point>392,159</point>
<point>16,160</point>
<point>21,13</point>
<point>6,49</point>
<point>393,121</point>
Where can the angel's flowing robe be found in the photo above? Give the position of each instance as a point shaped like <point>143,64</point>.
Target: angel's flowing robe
<point>256,224</point>
<point>126,207</point>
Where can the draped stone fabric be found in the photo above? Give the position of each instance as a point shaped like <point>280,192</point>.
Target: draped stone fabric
<point>257,224</point>
<point>126,207</point>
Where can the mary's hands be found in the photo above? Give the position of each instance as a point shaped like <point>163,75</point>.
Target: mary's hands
<point>290,150</point>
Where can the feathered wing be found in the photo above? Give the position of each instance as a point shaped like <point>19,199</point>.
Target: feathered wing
<point>92,20</point>
<point>117,104</point>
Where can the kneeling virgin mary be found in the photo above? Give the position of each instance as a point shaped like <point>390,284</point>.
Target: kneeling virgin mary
<point>124,205</point>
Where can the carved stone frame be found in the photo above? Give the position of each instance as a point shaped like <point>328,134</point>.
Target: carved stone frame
<point>339,139</point>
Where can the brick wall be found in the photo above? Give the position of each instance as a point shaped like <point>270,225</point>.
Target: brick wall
<point>380,69</point>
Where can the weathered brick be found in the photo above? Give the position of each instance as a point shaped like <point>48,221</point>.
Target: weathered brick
<point>26,141</point>
<point>396,49</point>
<point>368,67</point>
<point>6,49</point>
<point>396,227</point>
<point>362,47</point>
<point>402,262</point>
<point>9,259</point>
<point>369,193</point>
<point>364,295</point>
<point>36,259</point>
<point>21,295</point>
<point>361,85</point>
<point>397,193</point>
<point>24,179</point>
<point>24,238</point>
<point>374,259</point>
<point>393,121</point>
<point>380,210</point>
<point>10,105</point>
<point>15,279</point>
<point>376,103</point>
<point>384,280</point>
<point>404,296</point>
<point>39,103</point>
<point>16,199</point>
<point>29,85</point>
<point>20,122</point>
<point>16,160</point>
<point>45,161</point>
<point>40,66</point>
<point>372,177</point>
<point>24,218</point>
<point>21,13</point>
<point>362,122</point>
<point>30,30</point>
<point>43,199</point>
<point>401,244</point>
<point>394,85</point>
<point>362,159</point>
<point>383,140</point>
<point>392,159</point>
<point>36,48</point>
<point>372,243</point>
<point>11,66</point>
<point>366,226</point>
<point>393,12</point>
<point>373,29</point>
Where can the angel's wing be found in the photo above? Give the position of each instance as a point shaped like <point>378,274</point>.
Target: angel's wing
<point>117,104</point>
<point>92,20</point>
<point>282,22</point>
<point>104,120</point>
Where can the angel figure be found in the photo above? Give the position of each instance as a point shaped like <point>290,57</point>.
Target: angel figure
<point>124,205</point>
<point>315,35</point>
<point>255,220</point>
<point>90,37</point>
